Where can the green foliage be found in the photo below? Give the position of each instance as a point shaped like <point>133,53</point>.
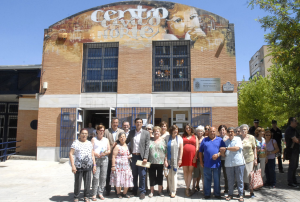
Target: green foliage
<point>278,96</point>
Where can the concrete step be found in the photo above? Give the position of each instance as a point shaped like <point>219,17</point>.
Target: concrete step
<point>21,157</point>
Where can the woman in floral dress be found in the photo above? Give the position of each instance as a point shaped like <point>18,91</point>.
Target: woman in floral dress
<point>121,174</point>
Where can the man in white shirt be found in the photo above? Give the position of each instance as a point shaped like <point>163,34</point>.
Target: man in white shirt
<point>139,140</point>
<point>126,127</point>
<point>112,135</point>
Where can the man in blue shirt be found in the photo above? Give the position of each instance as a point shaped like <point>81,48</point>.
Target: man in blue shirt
<point>211,149</point>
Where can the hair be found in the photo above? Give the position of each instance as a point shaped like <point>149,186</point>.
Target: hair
<point>258,130</point>
<point>201,128</point>
<point>150,125</point>
<point>157,128</point>
<point>291,119</point>
<point>192,129</point>
<point>121,133</point>
<point>138,119</point>
<point>100,126</point>
<point>114,118</point>
<point>243,126</point>
<point>82,129</point>
<point>222,126</point>
<point>268,131</point>
<point>172,128</point>
<point>125,122</point>
<point>231,128</point>
<point>161,124</point>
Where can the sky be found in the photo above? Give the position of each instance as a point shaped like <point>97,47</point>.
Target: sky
<point>22,24</point>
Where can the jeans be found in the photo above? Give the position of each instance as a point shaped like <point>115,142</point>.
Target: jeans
<point>238,173</point>
<point>138,173</point>
<point>225,175</point>
<point>108,187</point>
<point>86,176</point>
<point>270,172</point>
<point>210,173</point>
<point>293,165</point>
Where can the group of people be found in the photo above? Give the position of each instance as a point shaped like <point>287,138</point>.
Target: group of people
<point>118,158</point>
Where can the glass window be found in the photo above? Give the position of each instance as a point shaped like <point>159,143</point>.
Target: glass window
<point>171,66</point>
<point>100,67</point>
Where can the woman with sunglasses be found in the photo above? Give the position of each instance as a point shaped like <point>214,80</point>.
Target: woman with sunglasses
<point>207,127</point>
<point>189,157</point>
<point>149,128</point>
<point>272,149</point>
<point>101,148</point>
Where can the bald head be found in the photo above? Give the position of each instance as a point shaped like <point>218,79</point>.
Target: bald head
<point>212,133</point>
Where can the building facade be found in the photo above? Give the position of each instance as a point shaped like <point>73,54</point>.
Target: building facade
<point>260,62</point>
<point>160,61</point>
<point>19,86</point>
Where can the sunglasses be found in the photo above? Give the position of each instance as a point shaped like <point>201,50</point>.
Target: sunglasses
<point>206,128</point>
<point>148,128</point>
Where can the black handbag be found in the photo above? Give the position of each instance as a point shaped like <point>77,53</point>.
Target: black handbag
<point>287,152</point>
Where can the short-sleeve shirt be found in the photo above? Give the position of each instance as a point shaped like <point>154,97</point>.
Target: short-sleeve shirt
<point>83,155</point>
<point>234,158</point>
<point>209,148</point>
<point>261,148</point>
<point>157,151</point>
<point>248,146</point>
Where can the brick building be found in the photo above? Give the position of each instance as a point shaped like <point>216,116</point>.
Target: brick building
<point>160,61</point>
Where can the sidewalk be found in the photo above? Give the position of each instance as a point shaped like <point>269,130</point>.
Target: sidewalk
<point>25,180</point>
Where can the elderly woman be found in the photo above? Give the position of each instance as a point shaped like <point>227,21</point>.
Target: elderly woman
<point>261,149</point>
<point>198,172</point>
<point>173,158</point>
<point>101,148</point>
<point>157,153</point>
<point>272,149</point>
<point>83,165</point>
<point>149,128</point>
<point>250,154</point>
<point>121,174</point>
<point>234,163</point>
<point>237,131</point>
<point>190,152</point>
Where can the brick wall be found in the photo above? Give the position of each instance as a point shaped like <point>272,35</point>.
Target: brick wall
<point>25,133</point>
<point>225,116</point>
<point>48,127</point>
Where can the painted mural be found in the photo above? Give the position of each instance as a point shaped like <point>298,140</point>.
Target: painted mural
<point>136,23</point>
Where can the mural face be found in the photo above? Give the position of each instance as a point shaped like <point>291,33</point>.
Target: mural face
<point>140,22</point>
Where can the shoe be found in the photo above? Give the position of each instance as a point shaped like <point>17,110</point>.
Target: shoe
<point>142,196</point>
<point>252,195</point>
<point>133,194</point>
<point>187,192</point>
<point>293,185</point>
<point>225,194</point>
<point>126,195</point>
<point>161,194</point>
<point>218,197</point>
<point>281,171</point>
<point>150,195</point>
<point>206,197</point>
<point>272,187</point>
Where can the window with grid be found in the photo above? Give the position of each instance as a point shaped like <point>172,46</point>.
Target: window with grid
<point>171,66</point>
<point>100,67</point>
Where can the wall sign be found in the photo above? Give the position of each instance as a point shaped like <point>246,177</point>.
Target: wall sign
<point>180,117</point>
<point>207,84</point>
<point>228,87</point>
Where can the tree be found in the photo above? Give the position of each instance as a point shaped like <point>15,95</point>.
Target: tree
<point>278,96</point>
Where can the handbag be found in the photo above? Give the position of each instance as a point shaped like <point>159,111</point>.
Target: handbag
<point>256,179</point>
<point>278,153</point>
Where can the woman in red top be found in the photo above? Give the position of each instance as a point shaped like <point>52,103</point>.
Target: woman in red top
<point>189,157</point>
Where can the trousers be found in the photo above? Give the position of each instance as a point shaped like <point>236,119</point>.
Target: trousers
<point>99,178</point>
<point>86,176</point>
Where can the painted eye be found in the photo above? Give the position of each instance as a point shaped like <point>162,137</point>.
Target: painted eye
<point>178,20</point>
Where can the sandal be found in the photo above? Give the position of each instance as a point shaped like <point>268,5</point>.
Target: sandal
<point>86,199</point>
<point>101,197</point>
<point>125,195</point>
<point>187,192</point>
<point>228,198</point>
<point>161,194</point>
<point>94,199</point>
<point>150,195</point>
<point>76,200</point>
<point>172,195</point>
<point>241,199</point>
<point>197,188</point>
<point>119,196</point>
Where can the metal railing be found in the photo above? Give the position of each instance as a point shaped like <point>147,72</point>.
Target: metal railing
<point>4,150</point>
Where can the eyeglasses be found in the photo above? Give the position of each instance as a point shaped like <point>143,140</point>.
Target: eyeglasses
<point>267,135</point>
<point>148,128</point>
<point>101,130</point>
<point>206,128</point>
